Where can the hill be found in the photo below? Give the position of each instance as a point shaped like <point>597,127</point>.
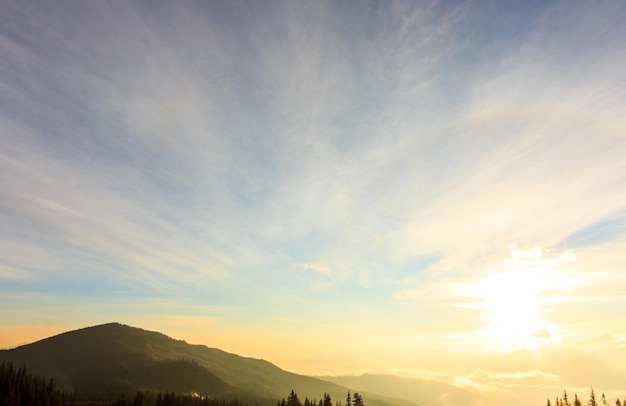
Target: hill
<point>117,358</point>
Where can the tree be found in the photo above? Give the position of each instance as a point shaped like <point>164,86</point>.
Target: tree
<point>565,399</point>
<point>293,400</point>
<point>592,398</point>
<point>357,399</point>
<point>348,400</point>
<point>577,401</point>
<point>138,400</point>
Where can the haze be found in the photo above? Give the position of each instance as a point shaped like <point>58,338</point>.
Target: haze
<point>426,189</point>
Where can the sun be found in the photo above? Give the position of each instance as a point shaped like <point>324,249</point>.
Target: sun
<point>512,307</point>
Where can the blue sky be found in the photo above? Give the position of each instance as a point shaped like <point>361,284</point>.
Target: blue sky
<point>283,170</point>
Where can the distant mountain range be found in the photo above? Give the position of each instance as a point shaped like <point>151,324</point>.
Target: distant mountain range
<point>420,391</point>
<point>515,378</point>
<point>114,358</point>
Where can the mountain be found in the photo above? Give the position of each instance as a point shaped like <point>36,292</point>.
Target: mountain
<point>113,358</point>
<point>421,391</point>
<point>514,378</point>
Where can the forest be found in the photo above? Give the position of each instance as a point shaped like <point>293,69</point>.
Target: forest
<point>592,401</point>
<point>19,388</point>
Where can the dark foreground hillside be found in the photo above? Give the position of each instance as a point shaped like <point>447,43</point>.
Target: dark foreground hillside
<point>114,358</point>
<point>19,388</point>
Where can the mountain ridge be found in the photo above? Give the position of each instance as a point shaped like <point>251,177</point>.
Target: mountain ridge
<point>114,356</point>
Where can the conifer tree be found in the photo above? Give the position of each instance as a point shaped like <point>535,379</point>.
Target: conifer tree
<point>576,400</point>
<point>357,400</point>
<point>293,400</point>
<point>592,398</point>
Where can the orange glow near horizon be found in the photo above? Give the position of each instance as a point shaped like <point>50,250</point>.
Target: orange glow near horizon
<point>17,335</point>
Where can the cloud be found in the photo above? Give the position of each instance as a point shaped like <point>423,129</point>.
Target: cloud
<point>315,267</point>
<point>203,154</point>
<point>542,334</point>
<point>517,254</point>
<point>12,273</point>
<point>464,382</point>
<point>508,382</point>
<point>521,375</point>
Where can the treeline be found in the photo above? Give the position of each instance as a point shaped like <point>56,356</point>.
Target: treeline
<point>21,389</point>
<point>18,388</point>
<point>592,401</point>
<point>293,400</point>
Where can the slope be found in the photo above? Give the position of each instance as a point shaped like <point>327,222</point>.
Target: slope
<point>117,357</point>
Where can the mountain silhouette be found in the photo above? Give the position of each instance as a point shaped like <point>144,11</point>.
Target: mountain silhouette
<point>112,358</point>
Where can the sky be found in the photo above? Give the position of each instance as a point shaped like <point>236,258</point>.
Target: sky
<point>309,182</point>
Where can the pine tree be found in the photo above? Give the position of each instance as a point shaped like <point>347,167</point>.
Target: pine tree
<point>577,401</point>
<point>592,398</point>
<point>138,400</point>
<point>293,400</point>
<point>348,400</point>
<point>357,399</point>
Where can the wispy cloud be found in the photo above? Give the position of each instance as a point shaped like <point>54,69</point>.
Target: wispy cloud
<point>394,151</point>
<point>315,267</point>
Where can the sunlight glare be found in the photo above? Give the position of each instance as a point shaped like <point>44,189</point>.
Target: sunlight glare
<point>513,301</point>
<point>512,307</point>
